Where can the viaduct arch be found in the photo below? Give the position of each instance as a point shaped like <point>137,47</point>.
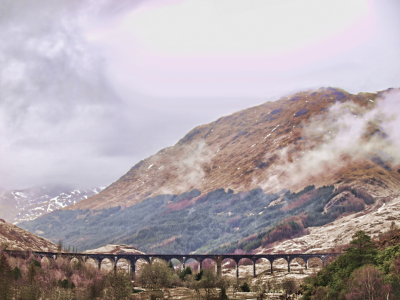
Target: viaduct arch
<point>182,258</point>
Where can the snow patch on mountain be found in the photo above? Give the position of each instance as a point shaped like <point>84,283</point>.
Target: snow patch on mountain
<point>29,204</point>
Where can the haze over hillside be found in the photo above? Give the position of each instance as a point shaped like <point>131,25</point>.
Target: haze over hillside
<point>247,180</point>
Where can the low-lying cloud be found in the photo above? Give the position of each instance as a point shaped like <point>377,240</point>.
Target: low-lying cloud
<point>347,133</point>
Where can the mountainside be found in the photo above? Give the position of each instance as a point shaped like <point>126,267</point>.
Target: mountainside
<point>306,138</point>
<point>15,238</point>
<point>29,204</point>
<point>374,221</point>
<point>249,180</point>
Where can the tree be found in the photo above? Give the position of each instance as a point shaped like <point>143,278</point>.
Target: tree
<point>367,283</point>
<point>361,250</point>
<point>245,287</point>
<point>208,282</point>
<point>335,275</point>
<point>95,289</point>
<point>16,273</point>
<point>185,272</point>
<point>119,286</point>
<point>322,293</point>
<point>157,275</point>
<point>32,271</point>
<point>60,246</point>
<point>290,286</point>
<point>223,295</point>
<point>199,275</point>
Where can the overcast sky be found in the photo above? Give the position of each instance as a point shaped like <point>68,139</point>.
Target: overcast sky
<point>90,87</point>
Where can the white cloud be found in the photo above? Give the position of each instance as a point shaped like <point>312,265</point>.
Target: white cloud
<point>341,137</point>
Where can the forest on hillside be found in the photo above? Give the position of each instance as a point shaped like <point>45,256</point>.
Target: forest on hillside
<point>218,222</point>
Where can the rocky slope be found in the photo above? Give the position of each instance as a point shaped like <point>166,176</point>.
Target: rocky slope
<point>321,137</point>
<point>28,204</point>
<point>15,238</point>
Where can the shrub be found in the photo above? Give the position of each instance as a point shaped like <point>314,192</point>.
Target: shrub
<point>157,275</point>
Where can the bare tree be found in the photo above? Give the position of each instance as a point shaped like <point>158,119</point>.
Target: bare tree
<point>290,286</point>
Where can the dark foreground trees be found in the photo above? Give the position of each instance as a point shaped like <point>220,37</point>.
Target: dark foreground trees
<point>362,272</point>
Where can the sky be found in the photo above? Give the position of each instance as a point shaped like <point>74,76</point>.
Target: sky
<point>88,88</point>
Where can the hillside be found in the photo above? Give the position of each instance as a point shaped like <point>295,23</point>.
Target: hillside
<point>290,143</point>
<point>245,181</point>
<point>375,220</point>
<point>15,238</point>
<point>28,204</point>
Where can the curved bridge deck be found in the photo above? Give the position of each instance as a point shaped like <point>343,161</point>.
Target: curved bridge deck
<point>182,258</point>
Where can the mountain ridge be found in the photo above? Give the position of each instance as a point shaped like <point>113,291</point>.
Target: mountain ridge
<point>28,204</point>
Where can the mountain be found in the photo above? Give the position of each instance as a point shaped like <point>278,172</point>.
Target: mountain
<point>248,180</point>
<point>288,143</point>
<point>15,238</point>
<point>28,204</point>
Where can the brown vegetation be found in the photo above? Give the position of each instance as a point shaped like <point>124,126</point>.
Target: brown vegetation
<point>289,228</point>
<point>28,278</point>
<point>390,238</point>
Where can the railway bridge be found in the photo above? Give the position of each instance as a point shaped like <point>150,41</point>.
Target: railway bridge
<point>132,258</point>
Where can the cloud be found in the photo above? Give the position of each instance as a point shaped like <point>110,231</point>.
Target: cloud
<point>347,133</point>
<point>59,116</point>
<point>189,169</point>
<point>64,118</point>
<point>191,164</point>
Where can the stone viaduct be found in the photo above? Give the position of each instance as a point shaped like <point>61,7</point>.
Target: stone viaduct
<point>131,259</point>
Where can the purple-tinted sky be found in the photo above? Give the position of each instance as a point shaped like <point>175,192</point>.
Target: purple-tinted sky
<point>88,88</point>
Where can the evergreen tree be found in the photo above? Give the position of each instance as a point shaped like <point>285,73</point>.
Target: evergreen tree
<point>187,271</point>
<point>361,250</point>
